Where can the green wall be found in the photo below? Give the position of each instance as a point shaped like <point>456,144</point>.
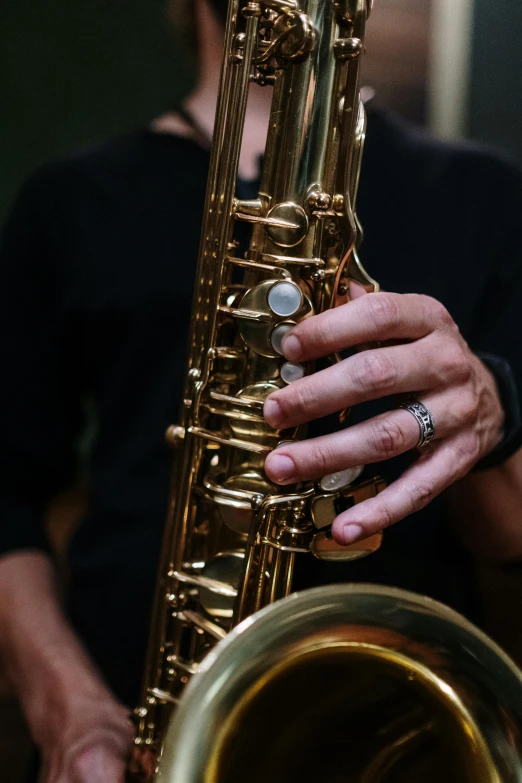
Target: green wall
<point>74,72</point>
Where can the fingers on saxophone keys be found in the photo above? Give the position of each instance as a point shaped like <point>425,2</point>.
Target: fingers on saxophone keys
<point>365,376</point>
<point>382,316</point>
<point>432,474</point>
<point>378,439</point>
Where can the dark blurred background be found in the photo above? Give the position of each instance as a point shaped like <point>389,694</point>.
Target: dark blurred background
<point>74,73</point>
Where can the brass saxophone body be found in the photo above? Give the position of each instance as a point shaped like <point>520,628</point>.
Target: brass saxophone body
<point>289,671</point>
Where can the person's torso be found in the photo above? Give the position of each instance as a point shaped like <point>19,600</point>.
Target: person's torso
<point>125,270</point>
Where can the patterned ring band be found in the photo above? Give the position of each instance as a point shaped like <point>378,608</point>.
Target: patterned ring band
<point>424,420</point>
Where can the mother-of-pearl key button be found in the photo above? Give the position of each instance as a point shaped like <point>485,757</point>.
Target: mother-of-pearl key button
<point>285,299</point>
<point>276,338</point>
<point>343,478</point>
<point>292,371</point>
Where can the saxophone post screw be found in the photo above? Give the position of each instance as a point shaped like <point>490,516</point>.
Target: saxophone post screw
<point>348,48</point>
<point>318,199</point>
<point>257,502</point>
<point>252,9</point>
<point>338,202</point>
<point>174,435</point>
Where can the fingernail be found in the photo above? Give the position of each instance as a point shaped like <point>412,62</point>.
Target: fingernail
<point>280,467</point>
<point>291,347</point>
<point>352,533</point>
<point>272,413</point>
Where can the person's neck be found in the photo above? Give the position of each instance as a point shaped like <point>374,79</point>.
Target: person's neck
<point>201,104</point>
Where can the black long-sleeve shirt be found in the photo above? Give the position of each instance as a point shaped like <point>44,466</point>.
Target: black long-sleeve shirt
<point>97,266</point>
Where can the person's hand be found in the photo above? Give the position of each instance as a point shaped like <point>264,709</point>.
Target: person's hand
<point>89,742</point>
<point>426,356</point>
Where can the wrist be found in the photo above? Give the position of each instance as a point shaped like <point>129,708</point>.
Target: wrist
<point>58,687</point>
<point>59,690</point>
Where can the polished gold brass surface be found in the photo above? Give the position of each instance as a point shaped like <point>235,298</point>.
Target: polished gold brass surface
<point>350,684</point>
<point>232,537</point>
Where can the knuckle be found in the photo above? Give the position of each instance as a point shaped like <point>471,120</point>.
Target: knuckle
<point>318,334</point>
<point>374,370</point>
<point>388,438</point>
<point>467,408</point>
<point>321,459</point>
<point>438,312</point>
<point>300,402</point>
<point>312,459</point>
<point>312,335</point>
<point>384,309</point>
<point>420,495</point>
<point>457,367</point>
<point>383,517</point>
<point>467,450</point>
<point>327,332</point>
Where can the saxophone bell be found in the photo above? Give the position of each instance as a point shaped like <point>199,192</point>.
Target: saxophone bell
<point>351,683</point>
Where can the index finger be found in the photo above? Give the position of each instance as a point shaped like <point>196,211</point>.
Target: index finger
<point>375,317</point>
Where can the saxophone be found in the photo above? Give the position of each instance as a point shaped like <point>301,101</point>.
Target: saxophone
<point>352,683</point>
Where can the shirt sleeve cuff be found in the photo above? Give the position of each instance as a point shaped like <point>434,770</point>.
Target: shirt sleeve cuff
<point>510,400</point>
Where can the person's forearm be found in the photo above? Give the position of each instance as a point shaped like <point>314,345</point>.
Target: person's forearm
<point>83,732</point>
<point>486,510</point>
<point>44,659</point>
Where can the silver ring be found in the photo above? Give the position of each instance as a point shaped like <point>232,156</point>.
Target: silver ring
<point>424,420</point>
